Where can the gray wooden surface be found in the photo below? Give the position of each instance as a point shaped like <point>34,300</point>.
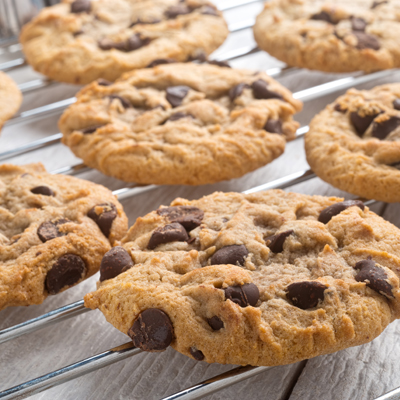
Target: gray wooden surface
<point>358,373</point>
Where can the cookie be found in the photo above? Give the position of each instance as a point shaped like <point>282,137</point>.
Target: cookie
<point>262,279</point>
<point>354,143</point>
<point>10,98</point>
<point>181,124</point>
<point>54,231</point>
<point>82,40</point>
<point>331,36</point>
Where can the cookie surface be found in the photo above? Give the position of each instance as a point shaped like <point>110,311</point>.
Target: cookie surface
<point>262,279</point>
<point>332,36</point>
<point>10,98</point>
<point>80,41</point>
<point>54,231</point>
<point>181,124</point>
<point>354,143</point>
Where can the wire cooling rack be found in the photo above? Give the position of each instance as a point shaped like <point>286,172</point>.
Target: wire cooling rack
<point>12,61</point>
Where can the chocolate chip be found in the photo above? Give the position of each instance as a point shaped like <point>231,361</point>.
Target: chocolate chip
<point>104,82</point>
<point>375,277</point>
<point>261,91</point>
<point>381,130</point>
<point>219,63</point>
<point>152,330</point>
<point>91,129</point>
<point>179,115</point>
<point>200,56</point>
<point>234,254</point>
<point>161,61</point>
<point>275,243</point>
<point>328,213</point>
<point>323,16</point>
<point>215,323</point>
<point>68,270</point>
<point>43,190</point>
<point>245,295</point>
<point>196,354</point>
<point>125,103</point>
<point>147,22</point>
<point>338,107</point>
<point>104,215</point>
<point>189,217</point>
<point>175,11</point>
<point>306,294</point>
<point>366,41</point>
<point>134,42</point>
<point>396,104</point>
<point>358,24</point>
<point>80,6</point>
<point>115,262</point>
<point>361,123</point>
<point>49,230</point>
<point>174,232</point>
<point>209,10</point>
<point>176,94</point>
<point>237,90</point>
<point>78,33</point>
<point>378,3</point>
<point>273,126</point>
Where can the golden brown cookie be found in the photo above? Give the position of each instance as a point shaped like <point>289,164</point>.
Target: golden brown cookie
<point>54,231</point>
<point>354,143</point>
<point>261,279</point>
<point>332,36</point>
<point>82,40</point>
<point>181,124</point>
<point>10,98</point>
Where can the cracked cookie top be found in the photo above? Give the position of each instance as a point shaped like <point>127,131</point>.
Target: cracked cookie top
<point>181,124</point>
<point>54,231</point>
<point>332,36</point>
<point>82,40</point>
<point>262,279</point>
<point>354,143</point>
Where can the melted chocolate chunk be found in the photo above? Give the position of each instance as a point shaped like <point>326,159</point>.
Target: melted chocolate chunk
<point>91,129</point>
<point>103,82</point>
<point>43,190</point>
<point>115,262</point>
<point>274,126</point>
<point>275,242</point>
<point>80,6</point>
<point>68,270</point>
<point>358,24</point>
<point>189,217</point>
<point>179,115</point>
<point>134,42</point>
<point>219,63</point>
<point>147,22</point>
<point>361,123</point>
<point>49,230</point>
<point>381,130</point>
<point>323,16</point>
<point>237,90</point>
<point>328,213</point>
<point>104,215</point>
<point>245,295</point>
<point>125,103</point>
<point>174,232</point>
<point>306,294</point>
<point>174,11</point>
<point>196,354</point>
<point>396,104</point>
<point>375,277</point>
<point>161,61</point>
<point>261,91</point>
<point>216,323</point>
<point>366,41</point>
<point>176,94</point>
<point>152,330</point>
<point>234,255</point>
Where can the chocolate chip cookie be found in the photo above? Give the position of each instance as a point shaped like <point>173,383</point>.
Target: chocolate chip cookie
<point>10,98</point>
<point>354,143</point>
<point>54,231</point>
<point>181,124</point>
<point>82,40</point>
<point>332,36</point>
<point>262,279</point>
